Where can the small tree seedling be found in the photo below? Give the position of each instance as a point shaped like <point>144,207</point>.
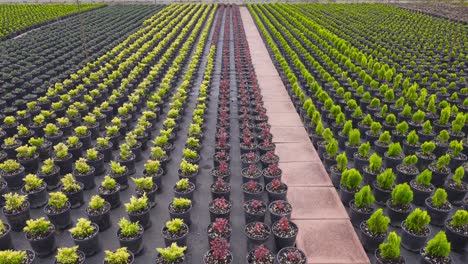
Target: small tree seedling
<point>364,197</point>
<point>137,204</point>
<point>83,229</point>
<point>354,137</point>
<point>378,223</point>
<point>38,226</point>
<point>351,179</point>
<point>143,183</point>
<point>96,203</point>
<point>391,248</point>
<point>14,201</point>
<point>402,195</point>
<point>417,221</point>
<point>385,138</point>
<point>57,200</point>
<point>172,253</point>
<point>394,150</point>
<point>386,179</point>
<point>120,256</point>
<point>443,162</point>
<point>69,184</point>
<point>32,182</point>
<point>439,198</point>
<point>402,128</point>
<point>128,228</point>
<point>375,162</point>
<point>459,219</point>
<point>428,147</point>
<point>67,255</point>
<point>438,246</point>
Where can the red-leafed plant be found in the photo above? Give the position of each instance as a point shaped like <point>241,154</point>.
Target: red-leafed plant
<point>266,132</point>
<point>247,141</point>
<point>223,167</point>
<point>261,253</point>
<point>250,156</point>
<point>251,186</point>
<point>273,169</point>
<point>219,184</point>
<point>220,248</point>
<point>220,225</point>
<point>221,203</point>
<point>293,256</point>
<point>275,184</point>
<point>283,224</point>
<point>255,204</point>
<point>246,133</point>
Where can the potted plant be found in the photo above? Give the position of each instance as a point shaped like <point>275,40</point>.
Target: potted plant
<point>374,230</point>
<point>422,187</point>
<point>130,235</point>
<point>285,233</point>
<point>120,174</point>
<point>181,208</point>
<point>457,158</point>
<point>109,191</point>
<point>16,210</point>
<point>5,236</point>
<point>75,146</point>
<point>457,230</point>
<point>175,231</point>
<point>18,257</point>
<point>84,135</point>
<point>442,142</point>
<point>361,206</point>
<point>374,167</point>
<point>35,189</point>
<point>171,255</point>
<point>250,173</point>
<point>260,255</point>
<point>112,132</point>
<point>291,255</point>
<point>393,156</point>
<point>389,252</point>
<point>219,252</point>
<point>381,145</point>
<point>134,145</point>
<point>119,256</point>
<point>153,169</point>
<point>104,147</point>
<point>399,205</point>
<point>437,250</point>
<point>28,158</point>
<point>456,189</point>
<point>98,212</point>
<point>53,134</point>
<point>49,173</point>
<point>220,228</point>
<point>220,188</point>
<point>13,173</point>
<point>184,189</point>
<point>252,190</point>
<point>219,208</point>
<point>425,155</point>
<point>127,158</point>
<point>58,210</point>
<point>69,255</point>
<point>65,126</point>
<point>415,230</point>
<point>407,170</point>
<point>188,170</point>
<point>276,190</point>
<point>63,159</point>
<point>85,236</point>
<point>146,186</point>
<point>352,145</point>
<point>10,145</point>
<point>73,189</point>
<point>271,172</point>
<point>440,170</point>
<point>95,160</point>
<point>438,207</point>
<point>24,134</point>
<point>254,211</point>
<point>138,210</point>
<point>40,234</point>
<point>349,185</point>
<point>159,154</point>
<point>257,233</point>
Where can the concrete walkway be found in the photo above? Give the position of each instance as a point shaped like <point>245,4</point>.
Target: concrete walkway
<point>325,232</point>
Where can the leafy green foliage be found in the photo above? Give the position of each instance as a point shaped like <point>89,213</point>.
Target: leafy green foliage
<point>444,115</point>
<point>174,225</point>
<point>69,184</point>
<point>25,152</point>
<point>172,253</point>
<point>83,229</point>
<point>182,184</point>
<point>385,138</point>
<point>377,222</point>
<point>443,161</point>
<point>14,201</point>
<point>459,175</point>
<point>181,203</point>
<point>459,219</point>
<point>386,179</point>
<point>32,182</point>
<point>108,183</point>
<point>364,197</point>
<point>67,255</point>
<point>12,256</point>
<point>391,248</point>
<point>427,127</point>
<point>61,150</point>
<point>57,200</point>
<point>38,226</point>
<point>402,194</point>
<point>456,147</point>
<point>418,220</point>
<point>143,183</point>
<point>402,128</point>
<point>394,150</point>
<point>187,167</point>
<point>428,147</point>
<point>10,166</point>
<point>128,228</point>
<point>81,166</point>
<point>351,179</point>
<point>410,160</point>
<point>120,256</point>
<point>354,137</point>
<point>390,119</point>
<point>96,203</point>
<point>439,198</point>
<point>375,128</point>
<point>137,204</point>
<point>443,136</point>
<point>375,162</point>
<point>412,138</point>
<point>341,161</point>
<point>118,169</point>
<point>424,178</point>
<point>332,148</point>
<point>438,246</point>
<point>347,127</point>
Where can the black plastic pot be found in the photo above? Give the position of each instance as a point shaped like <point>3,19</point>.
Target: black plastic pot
<point>419,196</point>
<point>283,252</point>
<point>121,179</point>
<point>381,195</point>
<point>187,195</point>
<point>455,195</point>
<point>392,162</point>
<point>346,195</point>
<point>97,164</point>
<point>52,180</point>
<point>151,194</point>
<point>65,164</point>
<point>89,246</point>
<point>113,198</point>
<point>380,260</point>
<point>438,177</point>
<point>106,151</point>
<point>5,238</point>
<point>45,246</point>
<point>356,216</point>
<point>75,198</point>
<point>411,241</point>
<point>102,219</point>
<point>133,244</point>
<point>229,258</point>
<point>274,195</point>
<point>129,163</point>
<point>438,215</point>
<point>253,242</point>
<point>18,220</point>
<point>274,216</point>
<point>181,241</point>
<point>143,218</point>
<point>61,220</point>
<point>184,216</point>
<point>14,180</point>
<point>402,176</point>
<point>396,217</point>
<point>282,242</point>
<point>36,198</point>
<point>457,240</point>
<point>214,215</point>
<point>30,165</point>
<point>254,217</point>
<point>370,243</point>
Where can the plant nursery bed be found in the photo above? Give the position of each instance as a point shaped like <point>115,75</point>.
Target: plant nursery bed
<point>141,148</point>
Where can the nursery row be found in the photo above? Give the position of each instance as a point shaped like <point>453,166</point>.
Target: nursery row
<point>146,68</point>
<point>386,115</point>
<point>16,19</point>
<point>52,53</point>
